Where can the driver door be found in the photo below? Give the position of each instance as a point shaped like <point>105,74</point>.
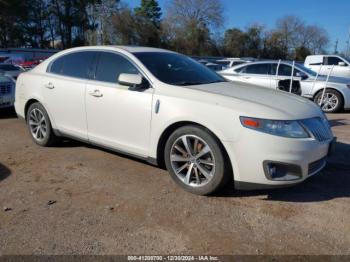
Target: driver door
<point>117,117</point>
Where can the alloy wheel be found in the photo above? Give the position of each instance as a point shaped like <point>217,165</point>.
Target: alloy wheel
<point>37,124</point>
<point>192,160</point>
<point>329,103</point>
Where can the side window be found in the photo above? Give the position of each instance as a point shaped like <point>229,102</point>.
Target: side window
<point>74,65</point>
<point>257,69</point>
<point>332,60</point>
<point>110,66</point>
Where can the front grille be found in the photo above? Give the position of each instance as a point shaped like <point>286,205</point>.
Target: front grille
<point>319,128</point>
<point>5,88</point>
<point>316,166</point>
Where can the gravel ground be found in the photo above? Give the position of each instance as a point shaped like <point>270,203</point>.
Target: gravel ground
<point>77,199</point>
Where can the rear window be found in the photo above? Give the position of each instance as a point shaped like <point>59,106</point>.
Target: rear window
<point>74,65</point>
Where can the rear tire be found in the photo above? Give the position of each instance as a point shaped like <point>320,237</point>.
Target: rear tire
<point>333,101</point>
<point>198,167</point>
<point>39,126</point>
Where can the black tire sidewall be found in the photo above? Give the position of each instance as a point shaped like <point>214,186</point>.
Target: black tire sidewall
<point>339,107</point>
<point>220,176</point>
<point>50,136</point>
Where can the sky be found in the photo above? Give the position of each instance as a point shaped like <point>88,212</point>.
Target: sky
<point>332,15</point>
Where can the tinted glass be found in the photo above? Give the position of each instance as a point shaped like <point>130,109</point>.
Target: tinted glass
<point>176,69</point>
<point>73,65</point>
<point>257,69</point>
<point>332,60</point>
<point>110,66</point>
<point>9,67</point>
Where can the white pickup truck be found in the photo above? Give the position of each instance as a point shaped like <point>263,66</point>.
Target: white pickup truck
<point>324,63</point>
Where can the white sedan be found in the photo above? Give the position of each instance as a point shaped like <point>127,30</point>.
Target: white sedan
<point>263,73</point>
<point>168,109</point>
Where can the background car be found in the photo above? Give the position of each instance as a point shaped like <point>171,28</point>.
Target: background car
<point>230,62</point>
<point>10,70</point>
<point>337,94</point>
<point>324,63</point>
<point>7,92</point>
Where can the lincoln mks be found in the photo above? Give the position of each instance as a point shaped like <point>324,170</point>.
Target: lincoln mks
<point>166,108</point>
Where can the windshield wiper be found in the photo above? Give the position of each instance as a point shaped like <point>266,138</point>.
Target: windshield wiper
<point>188,83</point>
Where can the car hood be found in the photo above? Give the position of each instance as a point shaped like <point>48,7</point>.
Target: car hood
<point>261,102</point>
<point>332,79</point>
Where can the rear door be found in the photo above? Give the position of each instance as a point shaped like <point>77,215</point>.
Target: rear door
<point>64,92</point>
<point>256,74</point>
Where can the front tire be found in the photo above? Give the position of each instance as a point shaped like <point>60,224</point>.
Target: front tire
<point>195,160</point>
<point>39,125</point>
<point>332,102</point>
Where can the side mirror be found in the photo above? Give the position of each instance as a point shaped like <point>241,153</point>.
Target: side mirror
<point>302,76</point>
<point>341,64</point>
<point>135,82</point>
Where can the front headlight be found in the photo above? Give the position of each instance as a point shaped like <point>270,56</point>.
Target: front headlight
<point>285,128</point>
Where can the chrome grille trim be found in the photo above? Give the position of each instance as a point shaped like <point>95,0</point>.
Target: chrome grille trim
<point>318,128</point>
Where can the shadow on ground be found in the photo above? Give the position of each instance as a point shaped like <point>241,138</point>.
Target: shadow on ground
<point>4,172</point>
<point>332,182</point>
<point>338,122</point>
<point>7,113</point>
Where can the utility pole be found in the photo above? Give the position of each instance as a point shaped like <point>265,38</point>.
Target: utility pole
<point>336,47</point>
<point>347,45</point>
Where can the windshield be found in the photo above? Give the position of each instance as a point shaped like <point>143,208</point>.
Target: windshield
<point>176,69</point>
<point>8,67</point>
<point>306,70</point>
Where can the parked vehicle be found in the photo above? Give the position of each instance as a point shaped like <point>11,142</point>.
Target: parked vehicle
<point>336,97</point>
<point>7,92</point>
<point>31,63</point>
<point>230,62</point>
<point>168,109</point>
<point>324,63</point>
<point>10,70</point>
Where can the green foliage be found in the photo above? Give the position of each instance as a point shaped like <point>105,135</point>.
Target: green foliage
<point>189,27</point>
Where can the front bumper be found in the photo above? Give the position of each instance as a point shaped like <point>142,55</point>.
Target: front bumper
<point>250,154</point>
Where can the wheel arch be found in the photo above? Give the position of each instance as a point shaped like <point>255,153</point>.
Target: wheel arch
<point>174,126</point>
<point>28,104</point>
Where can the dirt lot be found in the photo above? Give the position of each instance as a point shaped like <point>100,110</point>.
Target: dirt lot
<point>77,199</point>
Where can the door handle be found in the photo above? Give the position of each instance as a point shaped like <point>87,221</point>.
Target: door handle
<point>50,85</point>
<point>246,77</point>
<point>96,93</point>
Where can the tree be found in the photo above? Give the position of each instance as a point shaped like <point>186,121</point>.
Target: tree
<point>150,9</point>
<point>189,23</point>
<point>234,42</point>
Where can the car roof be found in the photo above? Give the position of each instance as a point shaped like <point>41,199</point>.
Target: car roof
<point>130,49</point>
<point>265,62</point>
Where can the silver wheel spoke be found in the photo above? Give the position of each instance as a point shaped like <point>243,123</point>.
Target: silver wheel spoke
<point>197,175</point>
<point>203,171</point>
<point>32,123</point>
<point>187,147</point>
<point>206,162</point>
<point>178,158</point>
<point>188,175</point>
<point>204,151</point>
<point>178,148</point>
